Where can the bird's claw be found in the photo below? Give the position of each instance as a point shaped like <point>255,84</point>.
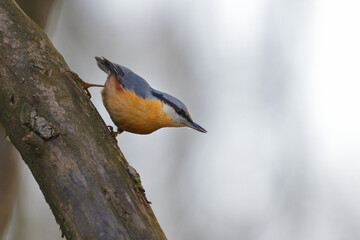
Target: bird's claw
<point>113,133</point>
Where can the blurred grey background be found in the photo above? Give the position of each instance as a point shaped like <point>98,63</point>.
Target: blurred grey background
<point>276,84</point>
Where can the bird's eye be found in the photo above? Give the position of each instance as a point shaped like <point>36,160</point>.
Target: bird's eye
<point>182,113</point>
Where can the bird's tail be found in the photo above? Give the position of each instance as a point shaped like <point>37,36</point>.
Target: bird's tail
<point>109,67</point>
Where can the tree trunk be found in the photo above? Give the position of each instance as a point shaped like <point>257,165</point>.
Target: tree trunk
<point>84,177</point>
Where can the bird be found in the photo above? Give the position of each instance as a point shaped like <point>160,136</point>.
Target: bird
<point>135,107</point>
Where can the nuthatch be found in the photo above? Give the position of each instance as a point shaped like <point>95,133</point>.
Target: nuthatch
<point>136,107</point>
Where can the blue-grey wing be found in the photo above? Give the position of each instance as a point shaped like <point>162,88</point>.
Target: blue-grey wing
<point>135,83</point>
<point>127,78</point>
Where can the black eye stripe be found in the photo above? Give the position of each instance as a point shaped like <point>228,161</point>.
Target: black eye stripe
<point>178,110</point>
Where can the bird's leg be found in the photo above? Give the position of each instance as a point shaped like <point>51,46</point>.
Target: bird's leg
<point>113,133</point>
<point>119,131</point>
<point>85,85</point>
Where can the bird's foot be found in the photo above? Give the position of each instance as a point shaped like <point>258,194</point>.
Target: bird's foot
<point>113,133</point>
<point>85,85</point>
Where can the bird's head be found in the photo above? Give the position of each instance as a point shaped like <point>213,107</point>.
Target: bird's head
<point>177,111</point>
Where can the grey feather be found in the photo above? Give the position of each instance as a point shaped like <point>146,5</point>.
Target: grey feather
<point>133,82</point>
<point>127,78</point>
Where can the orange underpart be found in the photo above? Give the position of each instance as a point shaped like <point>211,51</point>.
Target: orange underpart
<point>132,113</point>
<point>116,83</point>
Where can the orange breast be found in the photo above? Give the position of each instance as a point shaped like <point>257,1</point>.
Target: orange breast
<point>132,113</point>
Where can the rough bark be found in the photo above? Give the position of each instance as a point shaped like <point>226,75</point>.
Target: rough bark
<point>38,11</point>
<point>81,171</point>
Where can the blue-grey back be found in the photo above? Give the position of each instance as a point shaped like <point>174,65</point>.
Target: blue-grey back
<point>137,84</point>
<point>133,82</point>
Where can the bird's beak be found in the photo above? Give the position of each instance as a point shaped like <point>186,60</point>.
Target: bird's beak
<point>196,127</point>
